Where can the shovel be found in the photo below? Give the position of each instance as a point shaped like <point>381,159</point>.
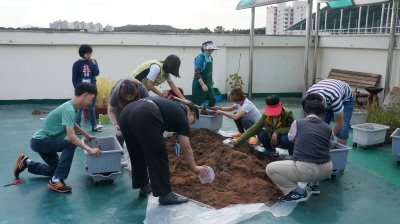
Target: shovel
<point>182,100</point>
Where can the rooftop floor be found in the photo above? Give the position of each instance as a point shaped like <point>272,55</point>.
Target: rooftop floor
<point>367,192</point>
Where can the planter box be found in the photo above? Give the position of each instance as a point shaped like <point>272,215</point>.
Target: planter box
<point>358,117</point>
<point>339,158</point>
<point>396,144</point>
<point>214,123</point>
<point>98,111</point>
<point>110,158</point>
<point>369,133</point>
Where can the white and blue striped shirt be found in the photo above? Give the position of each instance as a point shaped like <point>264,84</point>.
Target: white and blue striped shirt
<point>335,92</point>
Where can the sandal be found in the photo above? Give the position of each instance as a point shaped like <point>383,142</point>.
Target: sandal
<point>96,129</point>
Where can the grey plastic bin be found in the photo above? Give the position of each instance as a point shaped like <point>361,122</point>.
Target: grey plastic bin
<point>368,134</point>
<point>339,158</point>
<point>214,123</point>
<point>109,161</point>
<point>396,144</point>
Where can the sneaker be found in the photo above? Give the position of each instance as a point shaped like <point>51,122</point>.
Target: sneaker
<point>123,161</point>
<point>144,191</point>
<point>21,165</point>
<point>171,199</point>
<point>270,152</point>
<point>313,188</point>
<point>253,140</point>
<point>237,135</point>
<point>59,186</point>
<point>293,196</point>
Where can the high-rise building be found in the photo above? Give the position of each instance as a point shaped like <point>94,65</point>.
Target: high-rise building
<point>109,28</point>
<point>98,27</point>
<point>282,16</point>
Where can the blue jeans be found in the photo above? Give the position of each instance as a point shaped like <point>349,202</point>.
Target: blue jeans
<point>347,113</point>
<point>55,165</point>
<point>92,114</point>
<point>283,141</point>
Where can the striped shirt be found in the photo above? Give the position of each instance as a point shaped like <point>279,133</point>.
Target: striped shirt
<point>248,107</point>
<point>335,92</point>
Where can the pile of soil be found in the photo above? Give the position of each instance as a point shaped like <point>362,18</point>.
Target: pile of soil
<point>240,176</point>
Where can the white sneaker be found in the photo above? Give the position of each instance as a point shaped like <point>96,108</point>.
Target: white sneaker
<point>123,161</point>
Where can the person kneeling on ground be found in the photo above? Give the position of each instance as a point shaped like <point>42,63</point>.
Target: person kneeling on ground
<point>312,139</point>
<point>272,128</point>
<point>142,124</point>
<point>245,117</point>
<point>49,140</point>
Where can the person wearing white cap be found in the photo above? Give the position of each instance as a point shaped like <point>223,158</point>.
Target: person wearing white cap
<point>202,86</point>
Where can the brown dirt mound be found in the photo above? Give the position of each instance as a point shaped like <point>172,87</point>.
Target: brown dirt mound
<point>240,176</point>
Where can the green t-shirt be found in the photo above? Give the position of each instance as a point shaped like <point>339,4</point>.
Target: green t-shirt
<point>56,121</point>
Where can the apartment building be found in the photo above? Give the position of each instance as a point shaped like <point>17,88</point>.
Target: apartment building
<point>283,16</point>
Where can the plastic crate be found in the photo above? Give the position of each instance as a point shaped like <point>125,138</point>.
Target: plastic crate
<point>214,123</point>
<point>110,158</point>
<point>339,158</point>
<point>396,144</point>
<point>358,117</point>
<point>369,133</point>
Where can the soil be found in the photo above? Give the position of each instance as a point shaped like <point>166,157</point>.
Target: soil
<point>240,176</point>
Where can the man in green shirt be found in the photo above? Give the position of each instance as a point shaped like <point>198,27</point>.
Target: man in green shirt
<point>49,140</point>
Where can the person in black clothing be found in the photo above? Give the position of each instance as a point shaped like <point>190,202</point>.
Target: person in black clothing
<point>142,124</point>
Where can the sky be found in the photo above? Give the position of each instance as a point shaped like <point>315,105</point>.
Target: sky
<point>193,14</point>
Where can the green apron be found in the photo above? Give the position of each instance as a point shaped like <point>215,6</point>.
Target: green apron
<point>199,96</point>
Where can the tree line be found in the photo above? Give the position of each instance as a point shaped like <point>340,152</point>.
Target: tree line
<point>156,29</point>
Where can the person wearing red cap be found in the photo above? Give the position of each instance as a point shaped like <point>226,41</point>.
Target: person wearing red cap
<point>272,128</point>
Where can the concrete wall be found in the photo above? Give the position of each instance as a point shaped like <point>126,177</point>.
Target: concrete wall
<point>35,65</point>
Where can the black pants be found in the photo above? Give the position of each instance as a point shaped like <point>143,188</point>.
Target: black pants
<point>142,126</point>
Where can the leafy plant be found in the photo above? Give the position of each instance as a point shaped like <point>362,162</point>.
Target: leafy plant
<point>389,116</point>
<point>235,81</point>
<point>104,86</point>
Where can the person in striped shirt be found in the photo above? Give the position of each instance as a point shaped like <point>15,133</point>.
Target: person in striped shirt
<point>338,99</point>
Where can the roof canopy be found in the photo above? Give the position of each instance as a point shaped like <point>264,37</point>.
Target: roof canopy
<point>333,4</point>
<point>245,4</point>
<point>354,3</point>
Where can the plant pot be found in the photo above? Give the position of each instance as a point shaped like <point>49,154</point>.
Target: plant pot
<point>388,139</point>
<point>98,111</point>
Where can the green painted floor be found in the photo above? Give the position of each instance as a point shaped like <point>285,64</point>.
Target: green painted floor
<point>368,191</point>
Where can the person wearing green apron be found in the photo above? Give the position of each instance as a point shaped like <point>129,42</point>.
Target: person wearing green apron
<point>202,86</point>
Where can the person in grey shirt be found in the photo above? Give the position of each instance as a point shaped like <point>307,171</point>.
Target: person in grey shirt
<point>245,117</point>
<point>311,162</point>
<point>125,91</point>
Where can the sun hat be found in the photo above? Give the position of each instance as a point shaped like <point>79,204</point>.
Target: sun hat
<point>273,107</point>
<point>208,45</point>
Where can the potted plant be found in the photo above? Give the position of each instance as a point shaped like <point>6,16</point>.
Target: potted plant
<point>389,116</point>
<point>104,86</point>
<point>234,81</point>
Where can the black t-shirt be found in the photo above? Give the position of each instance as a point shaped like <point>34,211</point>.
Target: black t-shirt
<point>174,115</point>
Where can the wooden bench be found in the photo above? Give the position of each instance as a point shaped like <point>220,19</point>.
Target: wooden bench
<point>357,80</point>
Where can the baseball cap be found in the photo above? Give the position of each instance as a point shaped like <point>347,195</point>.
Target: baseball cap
<point>273,107</point>
<point>208,45</point>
